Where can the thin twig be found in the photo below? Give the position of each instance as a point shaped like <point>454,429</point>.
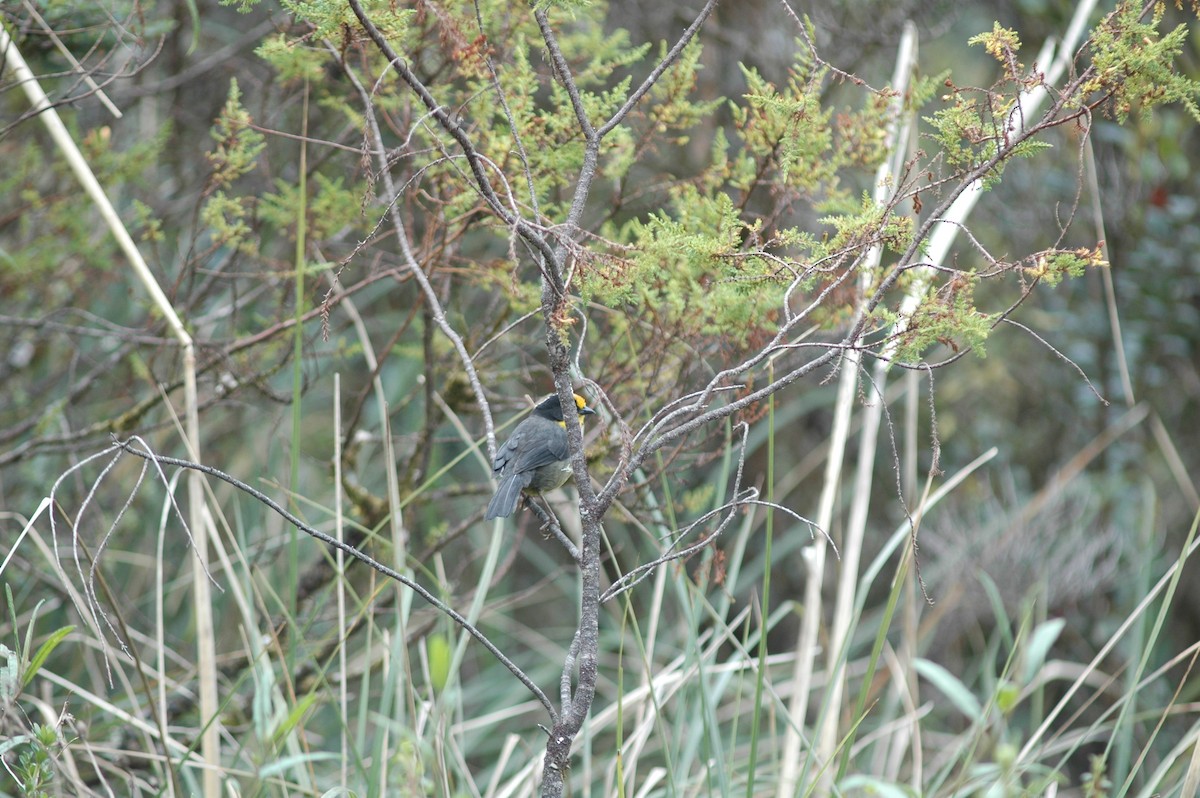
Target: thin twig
<point>438,604</point>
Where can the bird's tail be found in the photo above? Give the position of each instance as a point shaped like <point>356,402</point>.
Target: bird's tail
<point>504,503</point>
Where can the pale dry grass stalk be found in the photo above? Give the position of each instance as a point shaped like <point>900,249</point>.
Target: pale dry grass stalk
<point>900,131</point>
<point>815,556</point>
<point>202,595</point>
<point>340,578</point>
<point>940,242</point>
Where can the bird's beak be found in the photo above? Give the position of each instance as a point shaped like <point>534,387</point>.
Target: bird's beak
<point>586,411</point>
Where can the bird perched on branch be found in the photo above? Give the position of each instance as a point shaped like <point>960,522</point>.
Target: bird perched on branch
<point>534,459</point>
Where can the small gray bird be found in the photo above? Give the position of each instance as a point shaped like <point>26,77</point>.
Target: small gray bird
<point>534,458</point>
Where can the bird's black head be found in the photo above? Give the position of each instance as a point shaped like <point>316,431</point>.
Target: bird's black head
<point>551,408</point>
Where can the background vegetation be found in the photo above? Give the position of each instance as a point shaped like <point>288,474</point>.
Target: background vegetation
<point>372,306</point>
